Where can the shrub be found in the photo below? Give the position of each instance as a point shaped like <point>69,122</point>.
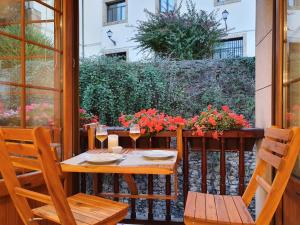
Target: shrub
<point>110,86</point>
<point>190,35</point>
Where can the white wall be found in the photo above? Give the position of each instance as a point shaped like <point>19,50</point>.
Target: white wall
<point>241,22</point>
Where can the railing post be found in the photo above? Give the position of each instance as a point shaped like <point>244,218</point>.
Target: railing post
<point>222,168</point>
<point>241,166</point>
<point>168,202</point>
<point>204,166</point>
<point>185,169</point>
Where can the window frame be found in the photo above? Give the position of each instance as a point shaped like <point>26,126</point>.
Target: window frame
<point>241,38</point>
<point>217,3</point>
<point>106,4</point>
<point>168,10</point>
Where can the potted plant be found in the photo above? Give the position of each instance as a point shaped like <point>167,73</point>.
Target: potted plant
<point>152,124</point>
<point>214,124</point>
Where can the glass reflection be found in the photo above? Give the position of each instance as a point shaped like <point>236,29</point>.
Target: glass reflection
<point>292,69</point>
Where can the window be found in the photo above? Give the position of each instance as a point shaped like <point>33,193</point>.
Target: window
<point>223,2</point>
<point>116,11</point>
<point>229,48</point>
<point>166,5</point>
<point>31,64</point>
<point>293,3</point>
<point>291,76</point>
<point>121,55</point>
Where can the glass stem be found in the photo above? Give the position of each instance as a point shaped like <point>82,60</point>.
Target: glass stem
<point>135,145</point>
<point>102,145</point>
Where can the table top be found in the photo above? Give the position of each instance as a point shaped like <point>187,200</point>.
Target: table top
<point>133,163</point>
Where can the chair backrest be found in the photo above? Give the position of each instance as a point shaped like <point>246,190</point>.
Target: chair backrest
<point>279,149</point>
<point>30,149</point>
<point>92,137</point>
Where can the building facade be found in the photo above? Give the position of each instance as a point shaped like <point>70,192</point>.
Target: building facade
<point>108,26</point>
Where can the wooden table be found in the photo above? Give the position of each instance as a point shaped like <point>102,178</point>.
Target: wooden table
<point>134,163</point>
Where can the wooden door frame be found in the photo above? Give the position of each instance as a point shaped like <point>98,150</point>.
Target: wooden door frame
<point>70,84</point>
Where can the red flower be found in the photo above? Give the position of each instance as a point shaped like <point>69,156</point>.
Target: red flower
<point>215,135</point>
<point>172,128</point>
<point>143,131</point>
<point>179,120</point>
<point>225,108</point>
<point>200,132</point>
<point>209,107</point>
<point>212,121</point>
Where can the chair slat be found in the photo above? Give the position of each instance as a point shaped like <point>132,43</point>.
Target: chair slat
<point>264,184</point>
<point>280,134</point>
<point>268,157</point>
<point>211,213</point>
<point>274,146</point>
<point>48,212</point>
<point>243,211</point>
<point>200,212</point>
<point>25,163</point>
<point>21,149</point>
<point>17,134</point>
<point>233,214</point>
<point>33,195</point>
<point>221,210</point>
<point>190,205</point>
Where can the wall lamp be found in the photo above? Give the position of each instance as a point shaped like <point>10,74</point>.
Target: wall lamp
<point>109,35</point>
<point>225,14</point>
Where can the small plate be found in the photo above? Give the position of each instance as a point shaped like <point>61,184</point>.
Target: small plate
<point>158,154</point>
<point>103,158</point>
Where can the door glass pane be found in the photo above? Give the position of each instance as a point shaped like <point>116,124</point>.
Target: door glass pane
<point>42,67</point>
<point>42,108</point>
<point>39,23</point>
<point>10,19</point>
<point>291,75</point>
<point>10,106</point>
<point>10,60</point>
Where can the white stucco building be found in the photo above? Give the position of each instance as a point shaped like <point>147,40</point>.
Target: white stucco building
<point>101,18</point>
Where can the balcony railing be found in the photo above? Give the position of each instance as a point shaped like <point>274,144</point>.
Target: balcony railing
<point>238,141</point>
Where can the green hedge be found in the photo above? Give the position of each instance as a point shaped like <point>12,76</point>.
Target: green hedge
<point>110,86</point>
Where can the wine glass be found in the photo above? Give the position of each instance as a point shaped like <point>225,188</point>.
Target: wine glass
<point>101,134</point>
<point>134,133</point>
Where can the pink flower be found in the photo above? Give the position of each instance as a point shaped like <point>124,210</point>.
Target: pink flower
<point>209,107</point>
<point>82,110</point>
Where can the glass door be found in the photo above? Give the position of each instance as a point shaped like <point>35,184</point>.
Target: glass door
<point>291,69</point>
<point>31,64</point>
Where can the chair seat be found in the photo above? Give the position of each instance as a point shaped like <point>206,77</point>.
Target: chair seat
<point>87,210</point>
<point>216,209</point>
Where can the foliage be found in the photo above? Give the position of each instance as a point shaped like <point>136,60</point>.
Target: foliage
<point>12,47</point>
<point>86,118</point>
<point>109,86</point>
<point>191,35</point>
<point>218,121</point>
<point>151,121</point>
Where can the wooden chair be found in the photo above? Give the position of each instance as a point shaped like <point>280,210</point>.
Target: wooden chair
<point>279,149</point>
<point>30,149</point>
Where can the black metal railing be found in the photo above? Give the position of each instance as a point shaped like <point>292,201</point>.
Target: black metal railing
<point>229,48</point>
